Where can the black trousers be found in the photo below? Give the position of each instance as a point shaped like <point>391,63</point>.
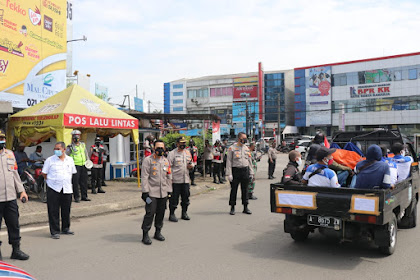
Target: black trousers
<point>224,168</point>
<point>9,210</point>
<point>192,175</point>
<point>155,210</point>
<point>271,167</point>
<point>96,180</point>
<point>240,176</point>
<point>182,190</point>
<point>216,170</point>
<point>56,202</point>
<point>80,179</point>
<point>208,166</point>
<point>103,171</point>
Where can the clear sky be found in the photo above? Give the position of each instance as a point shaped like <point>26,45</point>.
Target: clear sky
<point>151,42</point>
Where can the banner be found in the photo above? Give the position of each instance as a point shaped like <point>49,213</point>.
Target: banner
<point>93,121</point>
<point>33,49</point>
<point>138,104</point>
<point>245,92</point>
<point>216,131</point>
<point>318,95</point>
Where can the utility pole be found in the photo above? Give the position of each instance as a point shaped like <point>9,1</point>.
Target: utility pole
<point>148,104</point>
<point>246,116</point>
<point>137,96</point>
<point>278,118</point>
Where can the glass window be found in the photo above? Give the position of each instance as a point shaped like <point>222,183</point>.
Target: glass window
<point>177,109</point>
<point>178,101</point>
<point>178,86</point>
<point>412,74</point>
<point>397,75</point>
<point>178,93</point>
<point>362,79</point>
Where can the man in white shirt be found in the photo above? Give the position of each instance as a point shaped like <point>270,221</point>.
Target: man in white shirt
<point>58,170</point>
<point>402,161</point>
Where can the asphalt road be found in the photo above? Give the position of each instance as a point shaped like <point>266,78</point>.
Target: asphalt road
<point>213,245</point>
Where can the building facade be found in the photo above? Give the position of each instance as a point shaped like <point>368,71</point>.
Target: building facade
<point>236,98</point>
<point>174,97</point>
<point>359,95</point>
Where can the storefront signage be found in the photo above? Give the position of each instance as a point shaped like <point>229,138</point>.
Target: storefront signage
<point>93,121</point>
<point>370,91</point>
<point>318,93</point>
<point>245,92</point>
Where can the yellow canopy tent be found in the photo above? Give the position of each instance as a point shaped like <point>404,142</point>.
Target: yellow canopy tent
<point>72,108</point>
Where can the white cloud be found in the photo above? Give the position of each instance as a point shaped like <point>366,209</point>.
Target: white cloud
<point>152,42</point>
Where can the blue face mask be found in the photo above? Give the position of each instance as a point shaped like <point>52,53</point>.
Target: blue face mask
<point>102,141</point>
<point>58,153</point>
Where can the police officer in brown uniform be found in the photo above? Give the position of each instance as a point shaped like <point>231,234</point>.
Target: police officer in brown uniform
<point>239,171</point>
<point>156,186</point>
<point>272,156</point>
<point>181,162</point>
<point>10,184</point>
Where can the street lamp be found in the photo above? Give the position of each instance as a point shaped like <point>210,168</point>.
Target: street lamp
<point>246,95</point>
<point>81,39</point>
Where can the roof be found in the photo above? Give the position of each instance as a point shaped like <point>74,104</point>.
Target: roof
<point>361,60</point>
<point>153,116</point>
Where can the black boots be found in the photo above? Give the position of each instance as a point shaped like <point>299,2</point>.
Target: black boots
<point>17,254</point>
<point>146,239</point>
<point>232,210</point>
<point>246,210</point>
<point>184,214</point>
<point>251,196</point>
<point>94,190</point>
<point>172,216</point>
<point>100,190</point>
<point>158,235</point>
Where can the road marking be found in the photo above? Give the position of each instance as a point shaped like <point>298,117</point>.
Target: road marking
<point>26,229</point>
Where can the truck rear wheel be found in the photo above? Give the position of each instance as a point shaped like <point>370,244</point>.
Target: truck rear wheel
<point>391,231</point>
<point>299,235</point>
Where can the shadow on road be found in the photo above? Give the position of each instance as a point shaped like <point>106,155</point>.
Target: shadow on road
<point>317,251</point>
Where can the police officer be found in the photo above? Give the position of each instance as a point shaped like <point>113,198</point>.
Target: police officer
<point>224,151</point>
<point>96,156</point>
<point>77,150</point>
<point>181,162</point>
<point>9,186</point>
<point>272,156</point>
<point>254,167</point>
<point>239,171</point>
<point>291,174</point>
<point>148,145</point>
<point>217,161</point>
<point>156,186</point>
<point>194,154</point>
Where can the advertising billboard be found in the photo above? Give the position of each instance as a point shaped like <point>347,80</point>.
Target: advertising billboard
<point>245,92</point>
<point>101,91</point>
<point>33,49</point>
<point>138,104</point>
<point>318,95</point>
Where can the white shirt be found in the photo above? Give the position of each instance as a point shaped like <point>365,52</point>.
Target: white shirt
<point>59,173</point>
<point>325,178</point>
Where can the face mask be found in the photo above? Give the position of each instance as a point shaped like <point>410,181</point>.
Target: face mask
<point>299,162</point>
<point>102,141</point>
<point>329,161</point>
<point>76,140</point>
<point>2,144</point>
<point>182,147</point>
<point>159,152</point>
<point>403,153</point>
<point>39,154</point>
<point>97,144</point>
<point>244,140</point>
<point>58,153</point>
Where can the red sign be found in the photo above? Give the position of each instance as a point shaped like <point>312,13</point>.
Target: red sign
<point>245,92</point>
<point>92,121</point>
<point>215,126</point>
<point>324,87</point>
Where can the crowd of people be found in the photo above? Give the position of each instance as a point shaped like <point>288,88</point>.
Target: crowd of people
<point>382,168</point>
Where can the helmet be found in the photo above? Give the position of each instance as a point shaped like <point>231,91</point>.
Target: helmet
<point>76,132</point>
<point>319,138</point>
<point>97,139</point>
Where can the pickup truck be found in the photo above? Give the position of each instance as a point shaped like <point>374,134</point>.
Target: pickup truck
<point>352,214</point>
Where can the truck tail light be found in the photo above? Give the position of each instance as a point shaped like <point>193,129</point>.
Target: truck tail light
<point>365,219</point>
<point>284,210</point>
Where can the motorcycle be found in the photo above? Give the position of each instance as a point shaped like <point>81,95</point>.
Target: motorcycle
<point>33,181</point>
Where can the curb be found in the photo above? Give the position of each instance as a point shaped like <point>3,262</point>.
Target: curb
<point>107,208</point>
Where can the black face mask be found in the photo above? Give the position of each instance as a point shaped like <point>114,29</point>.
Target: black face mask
<point>76,140</point>
<point>159,152</point>
<point>244,140</point>
<point>97,144</point>
<point>2,146</point>
<point>182,146</point>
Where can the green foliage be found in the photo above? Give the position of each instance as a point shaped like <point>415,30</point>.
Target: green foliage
<point>171,138</point>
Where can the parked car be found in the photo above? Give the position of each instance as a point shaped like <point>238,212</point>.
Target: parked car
<point>302,147</point>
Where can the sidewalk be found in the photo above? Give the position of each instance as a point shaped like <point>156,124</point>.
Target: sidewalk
<point>120,195</point>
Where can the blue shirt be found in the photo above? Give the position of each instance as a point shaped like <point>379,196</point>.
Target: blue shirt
<point>374,175</point>
<point>325,178</point>
<point>21,164</point>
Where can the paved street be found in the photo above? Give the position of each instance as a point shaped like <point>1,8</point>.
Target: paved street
<point>213,245</point>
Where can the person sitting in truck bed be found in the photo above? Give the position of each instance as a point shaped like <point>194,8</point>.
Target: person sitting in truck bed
<point>372,172</point>
<point>403,162</point>
<point>291,174</point>
<point>318,174</point>
<point>392,165</point>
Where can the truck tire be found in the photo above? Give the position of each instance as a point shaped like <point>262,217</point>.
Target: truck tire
<point>391,231</point>
<point>410,219</point>
<point>299,235</point>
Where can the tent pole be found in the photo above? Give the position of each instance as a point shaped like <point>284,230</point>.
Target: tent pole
<point>138,165</point>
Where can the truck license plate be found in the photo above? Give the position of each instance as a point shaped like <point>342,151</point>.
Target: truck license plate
<point>327,222</point>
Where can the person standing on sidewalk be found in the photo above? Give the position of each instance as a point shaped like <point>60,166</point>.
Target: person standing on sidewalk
<point>156,182</point>
<point>58,171</point>
<point>208,157</point>
<point>181,162</point>
<point>194,152</point>
<point>272,156</point>
<point>77,151</point>
<point>254,168</point>
<point>104,160</point>
<point>9,186</point>
<point>224,152</point>
<point>96,156</point>
<point>217,162</point>
<point>239,171</point>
